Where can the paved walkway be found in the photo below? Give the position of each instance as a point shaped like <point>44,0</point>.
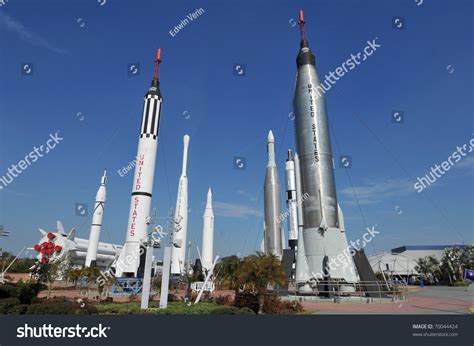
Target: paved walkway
<point>428,300</point>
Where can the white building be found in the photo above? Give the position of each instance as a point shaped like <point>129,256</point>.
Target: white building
<point>403,260</point>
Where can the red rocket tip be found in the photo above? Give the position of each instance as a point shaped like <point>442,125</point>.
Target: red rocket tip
<point>157,65</point>
<point>301,16</point>
<point>158,55</point>
<point>302,33</point>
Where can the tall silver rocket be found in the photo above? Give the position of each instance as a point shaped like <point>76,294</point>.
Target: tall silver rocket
<point>272,202</point>
<point>324,235</point>
<point>131,260</point>
<point>97,216</point>
<point>208,233</point>
<point>291,201</point>
<point>180,227</point>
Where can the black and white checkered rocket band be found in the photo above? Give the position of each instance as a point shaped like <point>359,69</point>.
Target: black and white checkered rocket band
<point>151,116</point>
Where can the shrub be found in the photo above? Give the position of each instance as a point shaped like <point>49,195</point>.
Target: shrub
<point>172,297</point>
<point>274,305</point>
<point>224,310</point>
<point>87,310</point>
<point>246,300</point>
<point>61,308</point>
<point>7,290</point>
<point>245,311</point>
<point>25,292</point>
<point>461,284</point>
<point>6,304</point>
<point>223,300</point>
<point>50,309</point>
<point>19,309</point>
<point>35,300</point>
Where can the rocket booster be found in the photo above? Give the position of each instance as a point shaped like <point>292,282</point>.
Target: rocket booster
<point>129,263</point>
<point>302,272</point>
<point>323,233</point>
<point>291,201</point>
<point>208,233</point>
<point>97,216</point>
<point>272,202</point>
<point>180,227</point>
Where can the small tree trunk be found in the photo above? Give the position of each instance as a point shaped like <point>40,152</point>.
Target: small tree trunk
<point>49,290</point>
<point>460,273</point>
<point>261,302</point>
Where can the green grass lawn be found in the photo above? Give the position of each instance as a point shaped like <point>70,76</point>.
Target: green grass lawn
<point>174,308</point>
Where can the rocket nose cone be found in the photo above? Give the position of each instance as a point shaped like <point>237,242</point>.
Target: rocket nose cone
<point>209,199</point>
<point>186,139</point>
<point>270,136</point>
<point>104,178</point>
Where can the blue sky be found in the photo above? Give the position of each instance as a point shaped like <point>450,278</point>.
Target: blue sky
<point>80,51</point>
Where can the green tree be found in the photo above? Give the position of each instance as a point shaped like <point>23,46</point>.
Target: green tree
<point>467,257</point>
<point>47,273</point>
<point>227,270</point>
<point>456,259</point>
<point>258,271</point>
<point>92,273</point>
<point>72,275</point>
<point>21,265</point>
<point>428,267</point>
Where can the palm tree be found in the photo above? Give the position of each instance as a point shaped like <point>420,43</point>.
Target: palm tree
<point>258,271</point>
<point>227,270</point>
<point>72,275</point>
<point>428,267</point>
<point>92,273</point>
<point>455,260</point>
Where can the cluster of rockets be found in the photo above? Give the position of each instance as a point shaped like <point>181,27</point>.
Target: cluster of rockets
<point>316,231</point>
<point>128,260</point>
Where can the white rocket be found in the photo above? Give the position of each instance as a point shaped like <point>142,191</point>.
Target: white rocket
<point>302,271</point>
<point>129,263</point>
<point>272,203</point>
<point>291,201</point>
<point>180,228</point>
<point>208,234</point>
<point>96,223</point>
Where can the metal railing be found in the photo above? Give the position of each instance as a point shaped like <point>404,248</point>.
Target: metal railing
<point>366,291</point>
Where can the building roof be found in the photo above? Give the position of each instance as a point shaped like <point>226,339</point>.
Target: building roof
<point>424,247</point>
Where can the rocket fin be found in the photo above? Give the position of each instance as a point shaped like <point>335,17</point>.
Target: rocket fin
<point>342,227</point>
<point>59,227</point>
<point>43,232</point>
<point>72,234</point>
